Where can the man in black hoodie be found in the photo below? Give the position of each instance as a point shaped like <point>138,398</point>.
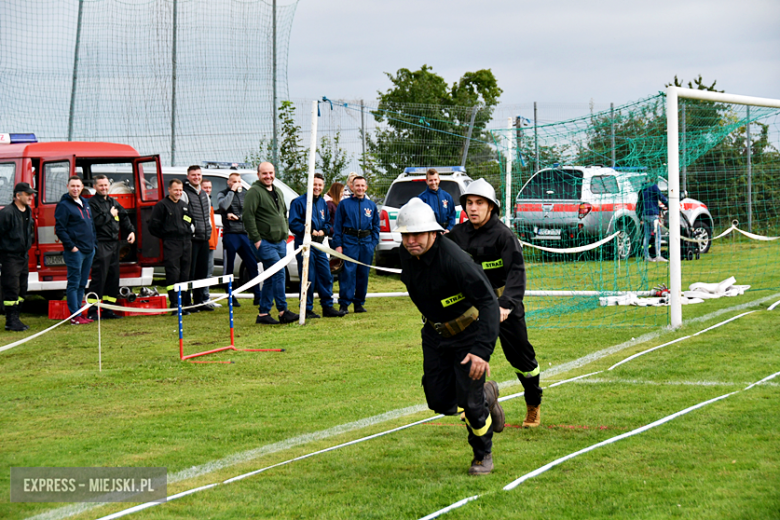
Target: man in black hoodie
<point>109,217</point>
<point>16,237</point>
<point>199,204</point>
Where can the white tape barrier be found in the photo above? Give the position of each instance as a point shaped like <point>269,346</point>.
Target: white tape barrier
<point>41,333</point>
<point>772,307</point>
<point>572,250</point>
<point>278,266</point>
<point>332,252</point>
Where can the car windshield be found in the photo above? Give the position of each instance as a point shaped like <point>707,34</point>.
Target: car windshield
<point>402,192</point>
<point>553,185</point>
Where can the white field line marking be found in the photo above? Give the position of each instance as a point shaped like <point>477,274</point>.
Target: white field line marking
<point>246,456</point>
<point>646,352</point>
<point>561,460</point>
<point>772,307</point>
<point>598,381</point>
<point>723,323</point>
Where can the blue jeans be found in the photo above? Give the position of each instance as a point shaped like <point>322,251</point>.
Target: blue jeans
<point>78,264</point>
<point>650,226</point>
<point>273,288</point>
<point>238,243</point>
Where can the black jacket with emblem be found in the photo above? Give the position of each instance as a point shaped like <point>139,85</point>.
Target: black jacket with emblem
<point>497,250</point>
<point>171,220</point>
<point>107,226</point>
<point>200,210</point>
<point>444,283</point>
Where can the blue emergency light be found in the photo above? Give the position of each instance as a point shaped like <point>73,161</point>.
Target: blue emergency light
<point>440,169</point>
<point>17,138</point>
<point>226,164</point>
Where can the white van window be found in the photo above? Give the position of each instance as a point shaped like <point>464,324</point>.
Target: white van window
<point>7,177</point>
<point>55,180</point>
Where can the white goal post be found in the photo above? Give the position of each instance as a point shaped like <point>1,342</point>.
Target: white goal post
<point>673,163</point>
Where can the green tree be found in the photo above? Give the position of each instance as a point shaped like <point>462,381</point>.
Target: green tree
<point>332,160</point>
<point>293,156</point>
<point>426,120</point>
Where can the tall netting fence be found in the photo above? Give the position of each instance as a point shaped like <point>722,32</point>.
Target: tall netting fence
<point>190,80</point>
<point>577,182</point>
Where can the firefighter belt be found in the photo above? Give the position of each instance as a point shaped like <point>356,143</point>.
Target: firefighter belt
<point>454,327</point>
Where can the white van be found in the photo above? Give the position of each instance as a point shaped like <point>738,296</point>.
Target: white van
<point>218,176</point>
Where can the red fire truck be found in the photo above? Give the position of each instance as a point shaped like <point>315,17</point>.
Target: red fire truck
<point>137,185</point>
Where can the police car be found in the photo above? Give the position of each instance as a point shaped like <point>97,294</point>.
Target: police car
<point>576,205</point>
<point>410,184</point>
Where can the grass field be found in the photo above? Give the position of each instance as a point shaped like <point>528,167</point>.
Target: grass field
<point>341,380</point>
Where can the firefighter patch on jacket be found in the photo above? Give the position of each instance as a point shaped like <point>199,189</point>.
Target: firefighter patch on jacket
<point>444,203</point>
<point>367,212</point>
<point>322,213</point>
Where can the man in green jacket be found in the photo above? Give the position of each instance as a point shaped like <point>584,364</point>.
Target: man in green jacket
<point>265,220</point>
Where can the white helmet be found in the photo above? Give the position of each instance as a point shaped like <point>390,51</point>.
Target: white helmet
<point>417,217</point>
<point>481,188</point>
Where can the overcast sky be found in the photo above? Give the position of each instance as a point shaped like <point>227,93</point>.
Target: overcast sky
<point>571,51</point>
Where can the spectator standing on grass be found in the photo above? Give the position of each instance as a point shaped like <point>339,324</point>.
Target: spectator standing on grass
<point>494,247</point>
<point>199,205</point>
<point>355,234</point>
<point>440,201</point>
<point>265,220</point>
<point>213,238</point>
<point>651,201</point>
<point>230,204</point>
<point>319,266</point>
<point>110,217</point>
<point>76,230</point>
<point>171,222</point>
<point>16,238</point>
<point>460,316</point>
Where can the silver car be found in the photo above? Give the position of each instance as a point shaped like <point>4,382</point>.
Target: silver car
<point>576,205</point>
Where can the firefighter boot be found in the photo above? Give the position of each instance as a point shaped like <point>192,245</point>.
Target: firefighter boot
<point>533,417</point>
<point>496,412</point>
<point>12,321</point>
<point>482,467</point>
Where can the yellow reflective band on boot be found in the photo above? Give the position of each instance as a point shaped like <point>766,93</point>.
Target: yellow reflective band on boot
<point>452,300</point>
<point>482,431</point>
<point>92,300</point>
<point>495,264</point>
<point>532,373</point>
<point>109,299</point>
<point>21,299</point>
<point>169,288</point>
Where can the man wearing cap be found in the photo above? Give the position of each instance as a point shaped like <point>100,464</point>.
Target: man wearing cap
<point>110,217</point>
<point>440,201</point>
<point>16,238</point>
<point>494,247</point>
<point>355,234</point>
<point>460,316</point>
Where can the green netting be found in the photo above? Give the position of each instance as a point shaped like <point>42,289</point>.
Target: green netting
<point>124,64</point>
<point>382,140</point>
